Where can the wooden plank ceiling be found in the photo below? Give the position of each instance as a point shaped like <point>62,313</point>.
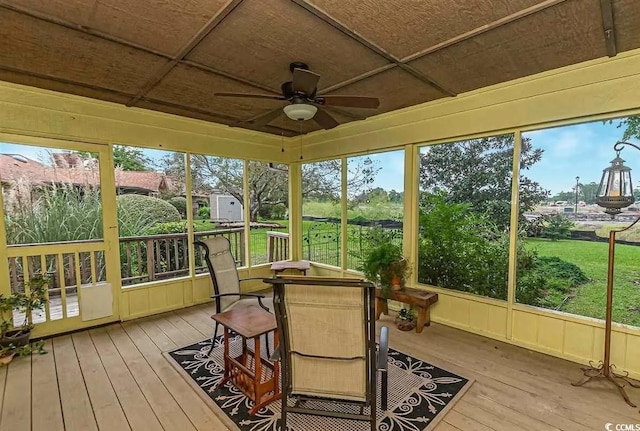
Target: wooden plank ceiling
<point>172,56</point>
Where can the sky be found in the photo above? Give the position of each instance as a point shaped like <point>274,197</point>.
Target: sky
<point>582,150</point>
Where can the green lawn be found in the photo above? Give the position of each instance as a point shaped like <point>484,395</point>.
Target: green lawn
<point>591,257</point>
<point>323,237</point>
<point>588,300</point>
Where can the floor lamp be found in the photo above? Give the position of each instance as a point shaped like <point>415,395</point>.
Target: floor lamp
<point>615,192</point>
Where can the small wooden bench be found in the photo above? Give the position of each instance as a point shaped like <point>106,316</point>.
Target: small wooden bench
<point>422,299</point>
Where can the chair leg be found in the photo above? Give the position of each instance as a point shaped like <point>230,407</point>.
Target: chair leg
<point>283,414</point>
<point>266,339</point>
<point>213,339</point>
<point>384,390</point>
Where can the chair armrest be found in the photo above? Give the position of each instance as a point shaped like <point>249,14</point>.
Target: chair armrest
<point>251,278</point>
<point>383,349</point>
<point>276,355</point>
<point>250,295</point>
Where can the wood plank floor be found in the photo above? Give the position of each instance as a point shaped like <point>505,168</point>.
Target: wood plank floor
<point>115,378</point>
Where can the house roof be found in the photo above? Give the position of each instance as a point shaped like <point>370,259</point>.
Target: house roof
<point>173,56</point>
<point>16,167</point>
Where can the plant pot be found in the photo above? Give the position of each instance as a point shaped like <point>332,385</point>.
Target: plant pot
<point>5,360</point>
<point>396,283</point>
<point>15,337</point>
<point>405,325</point>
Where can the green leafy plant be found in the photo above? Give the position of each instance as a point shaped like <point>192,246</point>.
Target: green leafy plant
<point>407,314</point>
<point>180,203</point>
<point>23,303</point>
<point>384,264</point>
<point>204,213</point>
<point>557,227</point>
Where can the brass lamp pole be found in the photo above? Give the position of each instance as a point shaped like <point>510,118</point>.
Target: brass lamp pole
<point>615,192</point>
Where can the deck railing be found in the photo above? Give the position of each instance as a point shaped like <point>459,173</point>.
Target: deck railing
<point>277,246</point>
<point>160,257</point>
<point>165,256</point>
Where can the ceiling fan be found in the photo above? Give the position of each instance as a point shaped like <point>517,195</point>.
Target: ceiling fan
<point>304,104</point>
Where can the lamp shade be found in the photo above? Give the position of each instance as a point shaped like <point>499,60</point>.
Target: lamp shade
<point>615,191</point>
<point>300,111</point>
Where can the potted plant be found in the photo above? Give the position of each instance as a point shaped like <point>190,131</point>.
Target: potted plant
<point>385,265</point>
<point>14,339</point>
<point>406,319</point>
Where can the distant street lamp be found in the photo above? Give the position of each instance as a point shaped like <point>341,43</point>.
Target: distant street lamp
<point>577,180</point>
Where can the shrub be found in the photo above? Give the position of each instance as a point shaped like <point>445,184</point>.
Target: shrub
<point>138,213</point>
<point>556,227</point>
<point>461,250</point>
<point>548,282</point>
<point>167,228</point>
<point>204,213</point>
<point>180,203</point>
<point>58,213</point>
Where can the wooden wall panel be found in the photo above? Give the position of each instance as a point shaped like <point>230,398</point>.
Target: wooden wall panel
<point>551,334</point>
<point>497,326</point>
<point>632,358</point>
<point>138,301</point>
<point>578,340</point>
<point>479,316</point>
<point>202,289</point>
<point>158,298</point>
<point>525,328</point>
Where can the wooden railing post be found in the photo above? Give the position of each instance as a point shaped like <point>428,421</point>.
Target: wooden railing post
<point>277,246</point>
<point>151,270</point>
<point>241,248</point>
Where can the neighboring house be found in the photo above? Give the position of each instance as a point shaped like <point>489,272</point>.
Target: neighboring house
<point>72,168</point>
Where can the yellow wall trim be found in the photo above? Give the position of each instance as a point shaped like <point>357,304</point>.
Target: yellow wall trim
<point>42,113</point>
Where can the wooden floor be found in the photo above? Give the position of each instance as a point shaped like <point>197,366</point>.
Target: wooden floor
<point>115,378</point>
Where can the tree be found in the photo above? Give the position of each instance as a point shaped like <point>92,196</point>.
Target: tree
<point>589,192</point>
<point>631,127</point>
<point>479,172</point>
<point>268,183</point>
<point>130,159</point>
<point>322,180</point>
<point>396,197</point>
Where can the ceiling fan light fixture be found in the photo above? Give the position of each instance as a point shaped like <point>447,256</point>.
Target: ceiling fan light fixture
<point>300,111</point>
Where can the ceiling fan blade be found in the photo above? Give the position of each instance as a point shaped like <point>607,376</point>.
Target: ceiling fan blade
<point>257,96</point>
<point>349,101</point>
<point>305,81</point>
<point>264,119</point>
<point>325,120</point>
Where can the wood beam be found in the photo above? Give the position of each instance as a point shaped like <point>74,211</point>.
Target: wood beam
<point>357,78</point>
<point>222,118</point>
<point>63,81</point>
<point>484,28</point>
<point>609,27</point>
<point>129,44</point>
<point>324,16</point>
<point>186,49</point>
<point>80,28</point>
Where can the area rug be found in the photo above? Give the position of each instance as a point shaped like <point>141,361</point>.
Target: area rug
<point>419,393</point>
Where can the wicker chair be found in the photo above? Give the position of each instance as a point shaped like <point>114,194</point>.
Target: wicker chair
<point>226,282</point>
<point>327,349</point>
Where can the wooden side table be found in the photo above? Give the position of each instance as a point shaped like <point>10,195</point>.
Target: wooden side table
<point>299,265</point>
<point>422,299</point>
<point>246,371</point>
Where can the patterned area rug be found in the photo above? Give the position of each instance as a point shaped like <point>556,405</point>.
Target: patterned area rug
<point>419,393</point>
